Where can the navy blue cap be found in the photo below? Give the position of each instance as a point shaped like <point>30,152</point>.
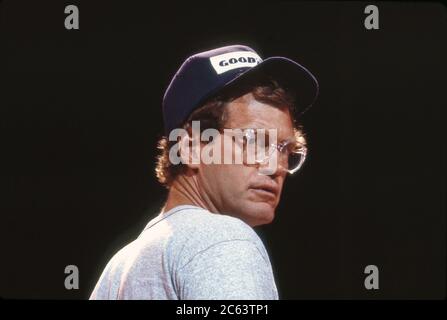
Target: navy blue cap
<point>205,74</point>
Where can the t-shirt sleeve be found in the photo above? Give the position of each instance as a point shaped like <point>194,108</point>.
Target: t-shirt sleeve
<point>227,270</point>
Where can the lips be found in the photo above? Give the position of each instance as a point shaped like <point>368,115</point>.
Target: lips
<point>267,188</point>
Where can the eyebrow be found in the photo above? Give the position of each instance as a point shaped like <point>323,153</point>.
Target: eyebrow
<point>291,138</point>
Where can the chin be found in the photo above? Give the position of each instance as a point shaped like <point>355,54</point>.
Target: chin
<point>259,213</point>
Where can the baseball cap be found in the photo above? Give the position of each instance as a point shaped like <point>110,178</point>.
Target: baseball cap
<point>205,74</point>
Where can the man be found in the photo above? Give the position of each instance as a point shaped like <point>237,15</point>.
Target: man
<point>202,244</point>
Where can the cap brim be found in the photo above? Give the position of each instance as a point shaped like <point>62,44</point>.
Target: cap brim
<point>289,74</point>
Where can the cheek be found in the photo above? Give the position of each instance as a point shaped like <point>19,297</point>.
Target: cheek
<point>226,179</point>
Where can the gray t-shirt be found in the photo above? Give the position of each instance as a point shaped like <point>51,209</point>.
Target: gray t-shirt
<point>190,253</point>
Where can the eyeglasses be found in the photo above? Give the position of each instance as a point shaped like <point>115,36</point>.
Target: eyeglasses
<point>291,154</point>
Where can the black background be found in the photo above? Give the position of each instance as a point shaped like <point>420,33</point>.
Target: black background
<point>80,114</point>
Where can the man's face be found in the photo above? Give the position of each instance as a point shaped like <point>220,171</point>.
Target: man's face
<point>239,189</point>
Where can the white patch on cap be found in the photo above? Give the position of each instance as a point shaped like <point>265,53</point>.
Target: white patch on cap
<point>233,60</point>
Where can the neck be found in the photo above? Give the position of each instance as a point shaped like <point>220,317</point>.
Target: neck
<point>185,191</point>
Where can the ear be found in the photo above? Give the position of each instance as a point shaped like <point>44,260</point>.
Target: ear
<point>189,148</point>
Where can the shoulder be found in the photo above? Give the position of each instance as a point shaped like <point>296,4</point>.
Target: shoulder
<point>223,258</point>
<point>205,227</point>
<point>190,231</point>
<point>198,230</point>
